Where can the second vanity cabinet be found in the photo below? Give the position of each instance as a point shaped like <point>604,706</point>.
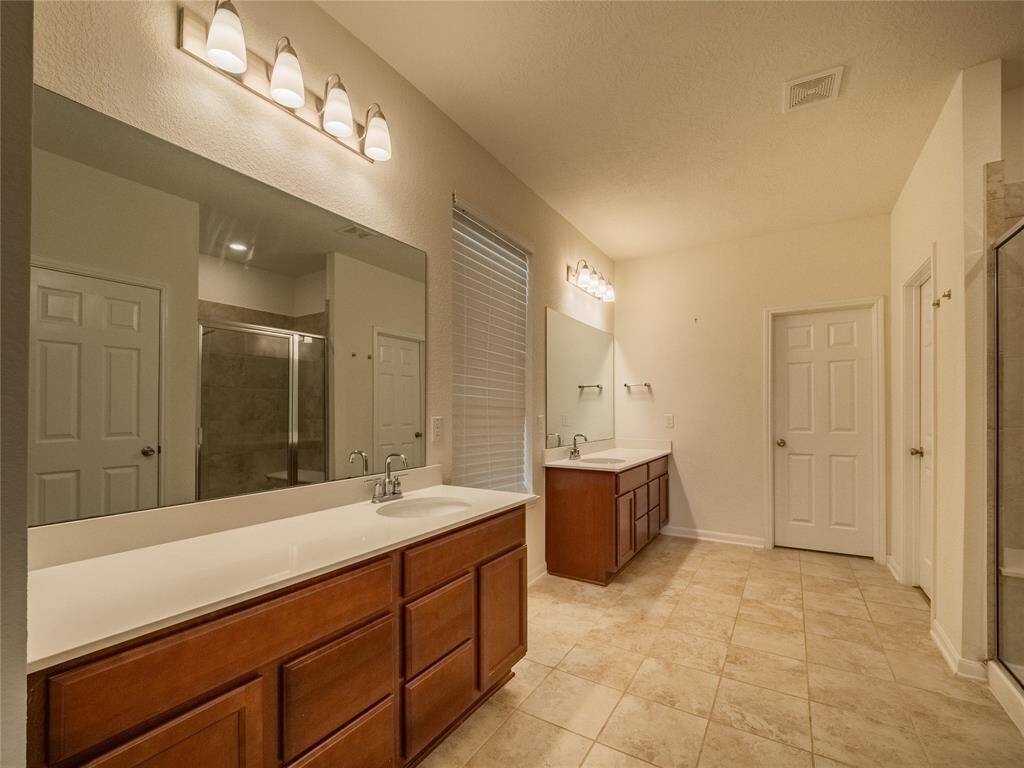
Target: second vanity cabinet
<point>362,668</point>
<point>596,521</point>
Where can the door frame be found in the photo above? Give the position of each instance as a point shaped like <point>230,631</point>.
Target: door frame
<point>908,572</point>
<point>162,324</point>
<point>421,341</point>
<point>876,305</point>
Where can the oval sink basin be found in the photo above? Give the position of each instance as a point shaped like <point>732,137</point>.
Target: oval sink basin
<point>600,460</point>
<point>427,507</point>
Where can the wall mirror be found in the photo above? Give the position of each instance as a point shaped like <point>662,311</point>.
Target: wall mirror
<point>580,374</point>
<point>197,334</point>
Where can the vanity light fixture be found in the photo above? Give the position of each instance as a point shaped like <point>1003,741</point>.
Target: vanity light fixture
<point>238,247</point>
<point>225,43</point>
<point>337,111</point>
<point>286,85</point>
<point>377,137</point>
<point>588,279</point>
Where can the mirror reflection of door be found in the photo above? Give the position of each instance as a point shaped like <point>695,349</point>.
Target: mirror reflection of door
<point>94,381</point>
<point>397,398</point>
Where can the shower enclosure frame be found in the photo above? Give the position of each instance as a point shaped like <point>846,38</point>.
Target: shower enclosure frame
<point>294,339</point>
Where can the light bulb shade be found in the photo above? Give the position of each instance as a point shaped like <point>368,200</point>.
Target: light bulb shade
<point>377,144</point>
<point>602,286</point>
<point>609,294</point>
<point>583,278</point>
<point>225,42</point>
<point>286,85</point>
<point>338,113</point>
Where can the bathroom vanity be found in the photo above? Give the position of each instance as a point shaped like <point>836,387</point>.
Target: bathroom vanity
<point>603,508</point>
<point>363,663</point>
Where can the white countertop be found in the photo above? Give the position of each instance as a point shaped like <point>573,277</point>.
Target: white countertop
<point>617,459</point>
<point>83,606</point>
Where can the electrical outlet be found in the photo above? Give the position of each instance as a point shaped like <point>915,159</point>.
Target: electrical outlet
<point>565,420</point>
<point>435,428</point>
<point>670,420</point>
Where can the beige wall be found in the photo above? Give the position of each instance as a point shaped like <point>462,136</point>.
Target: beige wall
<point>108,226</point>
<point>692,325</point>
<point>1013,134</point>
<point>146,82</point>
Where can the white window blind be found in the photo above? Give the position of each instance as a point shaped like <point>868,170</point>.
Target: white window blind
<point>489,324</point>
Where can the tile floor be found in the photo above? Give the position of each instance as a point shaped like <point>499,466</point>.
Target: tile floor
<point>709,655</point>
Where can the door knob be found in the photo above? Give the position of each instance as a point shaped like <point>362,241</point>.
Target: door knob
<point>418,434</point>
<point>149,450</point>
<point>917,451</point>
<point>781,442</point>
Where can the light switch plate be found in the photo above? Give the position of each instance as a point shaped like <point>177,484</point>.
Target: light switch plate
<point>565,420</point>
<point>670,420</point>
<point>436,423</point>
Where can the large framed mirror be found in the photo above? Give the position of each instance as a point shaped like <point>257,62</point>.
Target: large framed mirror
<point>197,334</point>
<point>580,376</point>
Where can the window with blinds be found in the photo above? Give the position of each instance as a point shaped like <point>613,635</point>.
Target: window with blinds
<point>489,295</point>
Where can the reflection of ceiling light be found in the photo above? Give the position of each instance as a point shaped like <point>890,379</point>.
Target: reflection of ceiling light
<point>238,247</point>
<point>588,279</point>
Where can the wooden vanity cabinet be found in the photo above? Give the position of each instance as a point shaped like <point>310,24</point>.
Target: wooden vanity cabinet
<point>363,668</point>
<point>596,521</point>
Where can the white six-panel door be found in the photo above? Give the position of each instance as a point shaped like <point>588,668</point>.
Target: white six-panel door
<point>94,367</point>
<point>398,421</point>
<point>926,438</point>
<point>824,463</point>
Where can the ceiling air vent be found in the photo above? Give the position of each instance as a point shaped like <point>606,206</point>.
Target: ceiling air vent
<point>813,89</point>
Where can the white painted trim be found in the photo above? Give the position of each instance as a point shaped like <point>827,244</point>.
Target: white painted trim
<point>421,340</point>
<point>908,517</point>
<point>536,574</point>
<point>969,668</point>
<point>894,568</point>
<point>877,306</point>
<point>1007,693</point>
<point>705,535</point>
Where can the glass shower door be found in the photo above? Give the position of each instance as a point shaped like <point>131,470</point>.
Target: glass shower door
<point>1010,452</point>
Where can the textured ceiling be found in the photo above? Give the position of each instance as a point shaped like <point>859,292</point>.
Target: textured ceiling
<point>657,126</point>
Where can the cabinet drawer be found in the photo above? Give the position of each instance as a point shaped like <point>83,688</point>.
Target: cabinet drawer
<point>437,698</point>
<point>441,559</point>
<point>437,623</point>
<point>369,742</point>
<point>658,467</point>
<point>631,478</point>
<point>653,493</point>
<point>97,701</point>
<point>324,689</point>
<point>226,732</point>
<point>640,503</point>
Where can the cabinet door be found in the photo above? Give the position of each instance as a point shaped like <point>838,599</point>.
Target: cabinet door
<point>640,528</point>
<point>663,502</point>
<point>502,640</point>
<point>223,733</point>
<point>624,531</point>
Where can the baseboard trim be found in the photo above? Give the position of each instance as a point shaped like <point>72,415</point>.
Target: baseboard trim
<point>1007,693</point>
<point>894,569</point>
<point>536,573</point>
<point>958,665</point>
<point>725,538</point>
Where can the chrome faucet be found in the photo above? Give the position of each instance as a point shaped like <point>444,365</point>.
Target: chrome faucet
<point>366,459</point>
<point>390,486</point>
<point>574,452</point>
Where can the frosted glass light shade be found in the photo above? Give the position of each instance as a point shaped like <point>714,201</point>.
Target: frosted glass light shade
<point>583,279</point>
<point>602,286</point>
<point>609,294</point>
<point>338,113</point>
<point>225,41</point>
<point>286,85</point>
<point>378,138</point>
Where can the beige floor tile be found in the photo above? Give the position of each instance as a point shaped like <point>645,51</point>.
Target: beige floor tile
<point>548,610</point>
<point>769,638</point>
<point>627,635</point>
<point>906,637</point>
<point>725,747</point>
<point>767,670</point>
<point>548,645</point>
<point>843,606</point>
<point>883,613</point>
<point>727,585</point>
<point>524,740</point>
<point>605,757</point>
<point>714,626</point>
<point>465,740</point>
<point>604,664</point>
<point>828,571</point>
<point>766,713</point>
<point>571,702</point>
<point>866,564</point>
<point>704,599</point>
<point>850,738</point>
<point>690,690</point>
<point>843,654</point>
<point>569,590</point>
<point>835,587</point>
<point>843,627</point>
<point>653,610</point>
<point>868,696</point>
<point>881,578</point>
<point>928,670</point>
<point>773,592</point>
<point>689,650</point>
<point>786,616</point>
<point>528,675</point>
<point>909,598</point>
<point>653,732</point>
<point>820,761</point>
<point>785,578</point>
<point>808,556</point>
